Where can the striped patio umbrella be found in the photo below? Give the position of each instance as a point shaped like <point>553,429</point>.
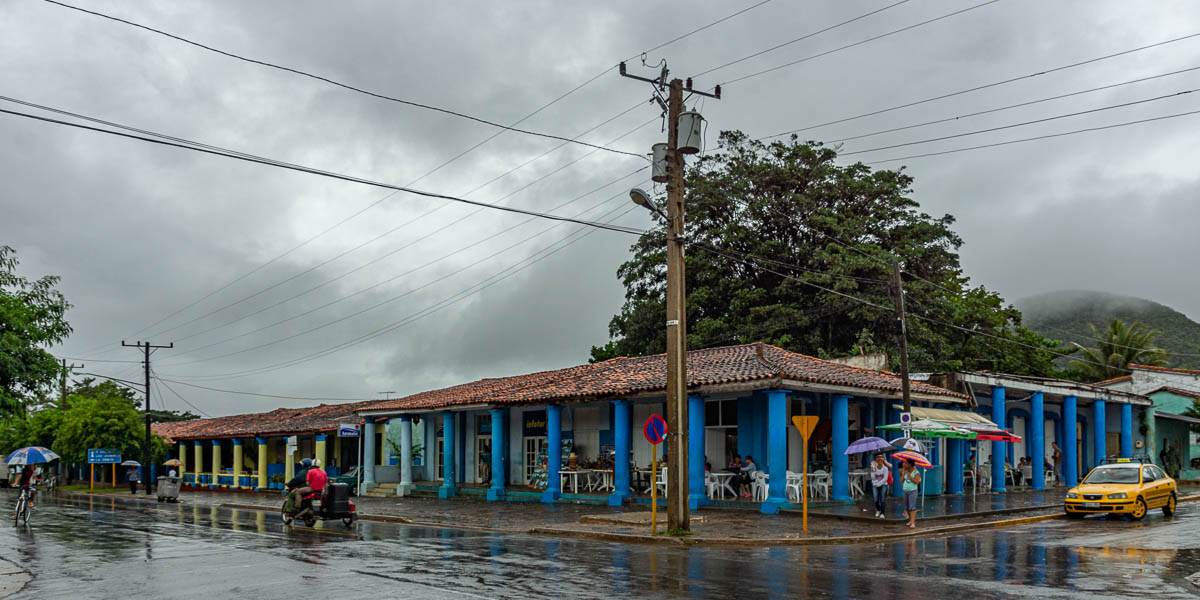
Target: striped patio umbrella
<point>917,458</point>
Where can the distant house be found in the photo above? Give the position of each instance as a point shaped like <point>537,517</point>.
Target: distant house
<point>1173,392</point>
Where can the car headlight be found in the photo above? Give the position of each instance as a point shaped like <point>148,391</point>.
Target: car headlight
<point>1117,496</point>
<point>1072,495</point>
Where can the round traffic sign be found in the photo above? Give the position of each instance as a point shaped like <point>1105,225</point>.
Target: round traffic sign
<point>655,429</point>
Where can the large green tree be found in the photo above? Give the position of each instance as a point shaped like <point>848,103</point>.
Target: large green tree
<point>1119,345</point>
<point>32,317</point>
<point>806,222</point>
<point>106,418</point>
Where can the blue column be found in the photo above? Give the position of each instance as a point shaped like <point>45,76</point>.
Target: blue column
<point>1070,471</point>
<point>1127,430</point>
<point>498,474</point>
<point>621,432</point>
<point>777,424</point>
<point>696,495</point>
<point>460,451</point>
<point>1099,432</point>
<point>448,489</point>
<point>840,425</point>
<point>368,457</point>
<point>954,470</point>
<point>998,448</point>
<point>553,454</point>
<point>1037,440</point>
<point>406,480</point>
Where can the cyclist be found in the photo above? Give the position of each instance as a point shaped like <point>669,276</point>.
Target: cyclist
<point>25,482</point>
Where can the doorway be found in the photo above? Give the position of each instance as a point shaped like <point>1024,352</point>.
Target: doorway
<point>535,448</point>
<point>483,459</point>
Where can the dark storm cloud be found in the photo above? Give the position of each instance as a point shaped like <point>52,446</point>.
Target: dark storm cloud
<point>137,232</point>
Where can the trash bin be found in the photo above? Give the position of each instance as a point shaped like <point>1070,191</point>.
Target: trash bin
<point>932,480</point>
<point>168,488</point>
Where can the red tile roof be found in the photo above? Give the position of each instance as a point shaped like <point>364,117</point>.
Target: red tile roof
<point>1185,393</point>
<point>630,376</point>
<point>281,421</point>
<point>1113,380</point>
<point>609,379</point>
<point>1164,369</point>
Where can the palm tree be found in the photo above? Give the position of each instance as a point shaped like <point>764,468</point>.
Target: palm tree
<point>1119,346</point>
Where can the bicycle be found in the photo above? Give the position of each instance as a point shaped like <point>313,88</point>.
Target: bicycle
<point>21,515</point>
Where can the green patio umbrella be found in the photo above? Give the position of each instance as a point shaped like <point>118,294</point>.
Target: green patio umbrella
<point>928,428</point>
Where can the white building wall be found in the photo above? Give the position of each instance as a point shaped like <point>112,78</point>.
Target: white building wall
<point>1146,381</point>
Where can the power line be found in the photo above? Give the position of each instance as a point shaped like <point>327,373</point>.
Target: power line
<point>858,43</point>
<point>984,86</point>
<point>799,39</point>
<point>1035,138</point>
<point>388,300</point>
<point>338,83</point>
<point>429,310</point>
<point>244,393</point>
<point>1011,106</point>
<point>1022,124</point>
<point>158,380</point>
<point>328,174</point>
<point>578,87</point>
<point>100,360</point>
<point>384,282</point>
<point>427,235</point>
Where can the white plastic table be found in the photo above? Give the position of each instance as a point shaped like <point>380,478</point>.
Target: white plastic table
<point>574,475</point>
<point>724,478</point>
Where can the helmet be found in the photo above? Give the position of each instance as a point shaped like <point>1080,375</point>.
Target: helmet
<point>316,463</point>
<point>306,463</point>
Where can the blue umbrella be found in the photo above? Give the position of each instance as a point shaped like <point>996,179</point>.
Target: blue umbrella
<point>869,444</point>
<point>30,456</point>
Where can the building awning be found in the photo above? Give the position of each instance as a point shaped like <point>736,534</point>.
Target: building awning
<point>1175,417</point>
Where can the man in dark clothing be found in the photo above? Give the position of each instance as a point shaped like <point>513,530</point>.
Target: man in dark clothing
<point>132,477</point>
<point>297,482</point>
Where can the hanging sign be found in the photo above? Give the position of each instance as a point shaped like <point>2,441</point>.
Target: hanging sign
<point>348,430</point>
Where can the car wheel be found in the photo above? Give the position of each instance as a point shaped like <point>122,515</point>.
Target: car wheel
<point>1074,515</point>
<point>348,521</point>
<point>1139,509</point>
<point>1169,507</point>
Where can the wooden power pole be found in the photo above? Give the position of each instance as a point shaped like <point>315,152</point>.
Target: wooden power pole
<point>146,458</point>
<point>904,384</point>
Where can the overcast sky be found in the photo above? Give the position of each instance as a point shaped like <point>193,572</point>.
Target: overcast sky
<point>138,231</point>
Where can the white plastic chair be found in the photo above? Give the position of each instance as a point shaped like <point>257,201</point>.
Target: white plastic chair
<point>758,486</point>
<point>793,490</point>
<point>712,487</point>
<point>820,484</point>
<point>661,484</point>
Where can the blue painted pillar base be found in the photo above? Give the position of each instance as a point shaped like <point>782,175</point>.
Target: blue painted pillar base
<point>448,491</point>
<point>551,496</point>
<point>771,507</point>
<point>695,502</point>
<point>618,499</point>
<point>494,494</point>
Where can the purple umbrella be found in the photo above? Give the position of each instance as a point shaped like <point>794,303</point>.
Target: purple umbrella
<point>869,444</point>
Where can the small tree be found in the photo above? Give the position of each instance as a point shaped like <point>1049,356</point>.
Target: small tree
<point>31,317</point>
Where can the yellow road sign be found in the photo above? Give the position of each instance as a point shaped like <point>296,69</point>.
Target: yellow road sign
<point>805,425</point>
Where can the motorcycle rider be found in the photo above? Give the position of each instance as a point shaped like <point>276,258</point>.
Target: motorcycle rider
<point>297,483</point>
<point>316,477</point>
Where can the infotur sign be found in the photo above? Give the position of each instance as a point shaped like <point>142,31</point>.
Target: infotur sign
<point>348,430</point>
<point>103,456</point>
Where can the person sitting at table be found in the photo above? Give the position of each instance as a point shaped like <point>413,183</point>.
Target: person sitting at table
<point>707,465</point>
<point>735,464</point>
<point>744,475</point>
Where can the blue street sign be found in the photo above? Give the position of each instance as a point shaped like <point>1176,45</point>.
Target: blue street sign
<point>655,429</point>
<point>348,430</point>
<point>103,456</point>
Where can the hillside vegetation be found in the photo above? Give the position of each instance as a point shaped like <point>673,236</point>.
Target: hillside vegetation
<point>1065,315</point>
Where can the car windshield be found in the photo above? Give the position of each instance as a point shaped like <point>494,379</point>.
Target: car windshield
<point>1112,475</point>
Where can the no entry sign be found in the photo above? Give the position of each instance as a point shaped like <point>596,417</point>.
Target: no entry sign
<point>655,429</point>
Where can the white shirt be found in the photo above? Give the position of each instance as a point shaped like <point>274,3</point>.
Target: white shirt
<point>879,474</point>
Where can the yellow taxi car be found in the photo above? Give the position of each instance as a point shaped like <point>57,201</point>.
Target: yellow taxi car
<point>1124,487</point>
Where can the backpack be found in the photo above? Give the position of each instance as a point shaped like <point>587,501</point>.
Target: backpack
<point>889,477</point>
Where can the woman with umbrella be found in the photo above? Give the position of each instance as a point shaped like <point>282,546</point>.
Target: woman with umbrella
<point>132,475</point>
<point>29,457</point>
<point>911,483</point>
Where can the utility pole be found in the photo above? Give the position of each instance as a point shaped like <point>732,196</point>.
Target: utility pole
<point>62,381</point>
<point>899,291</point>
<point>677,407</point>
<point>146,347</point>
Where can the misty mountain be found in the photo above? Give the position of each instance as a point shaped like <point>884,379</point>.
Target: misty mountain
<point>1065,315</point>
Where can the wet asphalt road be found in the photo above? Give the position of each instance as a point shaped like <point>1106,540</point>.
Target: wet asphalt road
<point>76,548</point>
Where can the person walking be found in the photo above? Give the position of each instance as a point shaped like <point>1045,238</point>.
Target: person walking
<point>910,483</point>
<point>1056,459</point>
<point>132,477</point>
<point>879,481</point>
